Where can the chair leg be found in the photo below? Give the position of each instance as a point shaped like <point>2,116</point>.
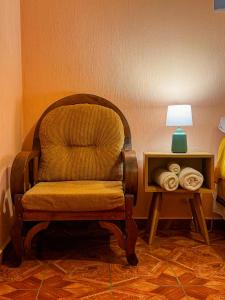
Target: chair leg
<point>131,233</point>
<point>17,241</point>
<point>32,232</point>
<point>115,231</point>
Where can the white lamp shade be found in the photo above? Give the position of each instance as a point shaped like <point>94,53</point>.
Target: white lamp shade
<point>179,115</point>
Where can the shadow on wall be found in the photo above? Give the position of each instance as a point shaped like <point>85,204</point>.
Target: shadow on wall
<point>28,140</point>
<point>47,100</point>
<point>6,208</point>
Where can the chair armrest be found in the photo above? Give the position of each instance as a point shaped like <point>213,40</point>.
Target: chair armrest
<point>20,172</point>
<point>130,172</point>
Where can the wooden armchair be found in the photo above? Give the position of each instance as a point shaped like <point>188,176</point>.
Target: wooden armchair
<point>81,168</point>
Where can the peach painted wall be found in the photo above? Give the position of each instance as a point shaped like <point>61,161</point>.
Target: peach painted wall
<point>10,105</point>
<point>142,55</point>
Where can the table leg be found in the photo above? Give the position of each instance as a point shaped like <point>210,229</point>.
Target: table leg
<point>154,215</point>
<point>150,213</point>
<point>195,219</point>
<point>197,205</point>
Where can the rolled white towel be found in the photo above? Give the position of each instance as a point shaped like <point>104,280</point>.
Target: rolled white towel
<point>190,179</point>
<point>167,180</point>
<point>173,167</point>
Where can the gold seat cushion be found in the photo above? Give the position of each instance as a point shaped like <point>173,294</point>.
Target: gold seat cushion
<point>74,196</point>
<point>81,142</point>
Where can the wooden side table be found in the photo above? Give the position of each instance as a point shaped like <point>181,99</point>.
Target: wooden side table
<point>203,162</point>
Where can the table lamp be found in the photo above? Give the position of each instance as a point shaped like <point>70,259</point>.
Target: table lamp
<point>179,115</point>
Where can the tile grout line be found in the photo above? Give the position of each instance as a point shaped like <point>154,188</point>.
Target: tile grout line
<point>179,283</point>
<point>170,259</point>
<point>178,280</point>
<point>185,294</point>
<point>39,289</point>
<point>110,281</point>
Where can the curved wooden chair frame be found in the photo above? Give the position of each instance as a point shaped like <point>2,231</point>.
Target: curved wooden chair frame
<point>24,175</point>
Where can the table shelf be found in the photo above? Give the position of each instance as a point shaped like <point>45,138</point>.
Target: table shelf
<point>203,162</point>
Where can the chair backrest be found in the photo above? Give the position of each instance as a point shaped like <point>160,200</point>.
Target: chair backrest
<point>81,138</point>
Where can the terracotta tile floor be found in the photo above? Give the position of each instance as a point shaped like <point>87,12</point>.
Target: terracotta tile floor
<point>177,266</point>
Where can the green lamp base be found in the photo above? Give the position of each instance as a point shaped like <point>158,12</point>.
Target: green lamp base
<point>179,141</point>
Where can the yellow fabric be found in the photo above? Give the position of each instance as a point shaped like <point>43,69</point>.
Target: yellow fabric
<point>74,196</point>
<point>220,167</point>
<point>81,142</point>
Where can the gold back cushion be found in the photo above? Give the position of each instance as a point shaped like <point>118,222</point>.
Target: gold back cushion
<point>81,142</point>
